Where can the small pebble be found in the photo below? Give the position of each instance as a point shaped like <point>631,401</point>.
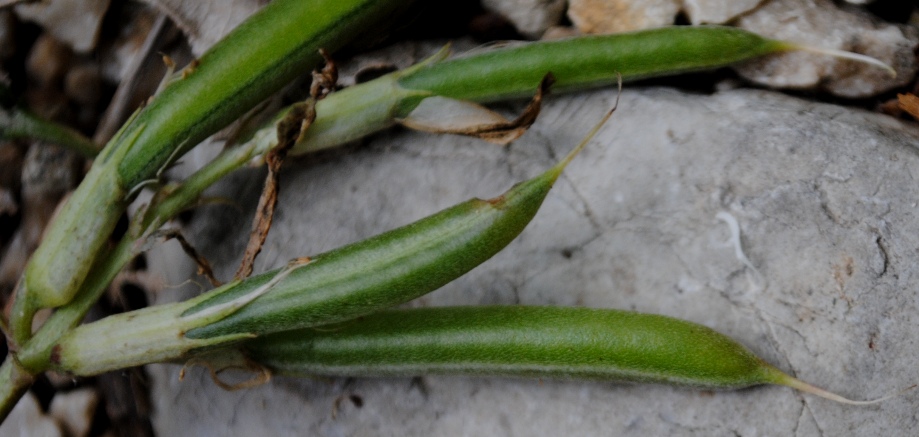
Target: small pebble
<point>613,16</point>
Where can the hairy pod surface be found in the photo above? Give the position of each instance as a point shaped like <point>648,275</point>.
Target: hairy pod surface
<point>541,342</point>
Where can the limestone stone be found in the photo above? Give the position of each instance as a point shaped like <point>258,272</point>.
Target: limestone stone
<point>74,410</point>
<point>826,203</point>
<point>717,11</point>
<point>74,22</point>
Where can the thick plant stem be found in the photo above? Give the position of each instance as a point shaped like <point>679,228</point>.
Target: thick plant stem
<point>14,382</point>
<point>35,355</point>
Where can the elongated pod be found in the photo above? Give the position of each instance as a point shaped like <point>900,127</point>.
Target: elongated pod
<point>589,61</point>
<point>517,341</point>
<point>540,342</point>
<point>260,56</point>
<point>385,270</point>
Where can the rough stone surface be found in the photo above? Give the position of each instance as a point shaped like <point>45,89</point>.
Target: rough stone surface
<point>74,22</point>
<point>612,16</point>
<point>530,17</point>
<point>205,22</point>
<point>819,23</point>
<point>827,205</point>
<point>717,11</point>
<point>27,419</point>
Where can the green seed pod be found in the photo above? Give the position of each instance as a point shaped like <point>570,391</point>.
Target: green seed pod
<point>385,270</point>
<point>539,342</point>
<point>382,271</point>
<point>589,61</point>
<point>518,341</point>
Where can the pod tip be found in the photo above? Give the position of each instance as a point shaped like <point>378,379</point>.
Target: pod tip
<point>590,135</point>
<point>842,54</point>
<point>797,384</point>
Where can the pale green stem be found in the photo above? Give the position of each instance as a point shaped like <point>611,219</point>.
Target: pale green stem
<point>18,124</point>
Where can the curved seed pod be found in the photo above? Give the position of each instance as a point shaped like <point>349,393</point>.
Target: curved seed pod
<point>590,61</point>
<point>272,47</point>
<point>543,342</point>
<point>385,270</point>
<point>517,341</point>
<point>382,271</point>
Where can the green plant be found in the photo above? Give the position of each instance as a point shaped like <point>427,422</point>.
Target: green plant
<point>73,266</point>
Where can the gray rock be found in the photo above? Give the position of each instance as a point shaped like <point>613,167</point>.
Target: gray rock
<point>74,410</point>
<point>819,23</point>
<point>206,22</point>
<point>27,419</point>
<point>529,17</point>
<point>75,22</point>
<point>826,202</point>
<point>717,11</point>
